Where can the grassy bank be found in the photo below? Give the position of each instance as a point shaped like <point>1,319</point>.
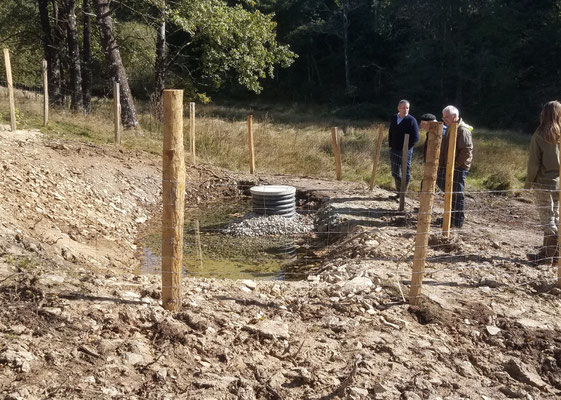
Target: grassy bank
<point>288,140</point>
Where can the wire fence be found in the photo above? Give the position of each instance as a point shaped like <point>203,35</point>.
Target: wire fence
<point>492,230</point>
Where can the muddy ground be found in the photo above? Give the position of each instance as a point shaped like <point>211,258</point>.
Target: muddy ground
<point>76,322</point>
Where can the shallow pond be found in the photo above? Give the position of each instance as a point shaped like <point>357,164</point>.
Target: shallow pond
<point>207,252</point>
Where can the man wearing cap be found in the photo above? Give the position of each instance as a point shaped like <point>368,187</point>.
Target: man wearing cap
<point>402,124</point>
<point>464,156</point>
<point>425,124</point>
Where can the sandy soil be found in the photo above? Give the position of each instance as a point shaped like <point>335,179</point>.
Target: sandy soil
<point>77,323</point>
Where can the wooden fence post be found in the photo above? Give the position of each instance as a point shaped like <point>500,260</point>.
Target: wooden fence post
<point>449,183</point>
<point>10,89</point>
<point>117,111</point>
<point>404,160</point>
<point>337,153</point>
<point>250,144</point>
<point>192,138</point>
<point>377,155</point>
<point>173,184</point>
<point>45,94</point>
<point>198,244</point>
<point>434,138</point>
<point>559,232</point>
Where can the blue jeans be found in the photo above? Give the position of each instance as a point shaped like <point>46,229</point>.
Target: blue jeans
<point>395,162</point>
<point>458,197</point>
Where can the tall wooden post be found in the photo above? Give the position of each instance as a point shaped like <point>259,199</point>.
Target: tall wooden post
<point>451,134</point>
<point>198,245</point>
<point>559,230</point>
<point>192,138</point>
<point>173,200</point>
<point>250,144</point>
<point>377,155</point>
<point>10,89</point>
<point>337,153</point>
<point>434,138</point>
<point>45,94</point>
<point>404,159</point>
<point>117,111</point>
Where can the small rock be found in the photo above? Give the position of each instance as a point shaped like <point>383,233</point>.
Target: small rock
<point>358,392</point>
<point>133,358</point>
<point>162,374</point>
<point>270,329</point>
<point>357,284</point>
<point>379,388</point>
<point>249,283</point>
<point>492,330</point>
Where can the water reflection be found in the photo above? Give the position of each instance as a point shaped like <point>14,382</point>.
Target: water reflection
<point>207,252</point>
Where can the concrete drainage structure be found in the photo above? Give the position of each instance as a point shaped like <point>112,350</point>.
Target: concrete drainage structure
<point>274,200</point>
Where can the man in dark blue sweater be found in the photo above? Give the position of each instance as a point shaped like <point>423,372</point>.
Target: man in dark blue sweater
<point>401,124</point>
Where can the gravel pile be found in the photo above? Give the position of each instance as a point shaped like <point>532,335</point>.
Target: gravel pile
<point>256,225</point>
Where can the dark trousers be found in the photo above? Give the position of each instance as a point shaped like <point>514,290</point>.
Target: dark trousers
<point>395,162</point>
<point>458,197</point>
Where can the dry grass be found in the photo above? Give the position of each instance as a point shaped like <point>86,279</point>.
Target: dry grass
<point>287,141</point>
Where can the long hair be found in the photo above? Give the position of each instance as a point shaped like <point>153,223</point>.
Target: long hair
<point>550,122</point>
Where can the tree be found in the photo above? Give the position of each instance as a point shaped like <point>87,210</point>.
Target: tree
<point>50,53</point>
<point>222,42</point>
<point>113,57</point>
<point>77,102</point>
<point>87,57</point>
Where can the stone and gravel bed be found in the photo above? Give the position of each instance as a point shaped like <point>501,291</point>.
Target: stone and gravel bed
<point>252,225</point>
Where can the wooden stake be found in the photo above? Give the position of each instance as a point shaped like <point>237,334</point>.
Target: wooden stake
<point>430,173</point>
<point>192,132</point>
<point>337,152</point>
<point>377,155</point>
<point>45,94</point>
<point>559,230</point>
<point>198,244</point>
<point>10,89</point>
<point>173,200</point>
<point>449,183</point>
<point>117,111</point>
<point>250,142</point>
<point>404,159</point>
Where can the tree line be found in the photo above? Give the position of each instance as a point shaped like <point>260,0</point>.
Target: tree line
<point>497,60</point>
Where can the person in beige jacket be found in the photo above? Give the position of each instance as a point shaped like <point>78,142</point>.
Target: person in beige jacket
<point>462,163</point>
<point>543,177</point>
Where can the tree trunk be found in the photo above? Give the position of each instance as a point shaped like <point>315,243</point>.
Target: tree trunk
<point>87,59</point>
<point>160,66</point>
<point>75,85</point>
<point>348,88</point>
<point>51,54</point>
<point>59,38</point>
<point>113,56</point>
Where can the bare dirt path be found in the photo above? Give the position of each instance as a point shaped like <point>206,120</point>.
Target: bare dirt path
<point>76,322</point>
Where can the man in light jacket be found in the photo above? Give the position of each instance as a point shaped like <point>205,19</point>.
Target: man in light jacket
<point>462,164</point>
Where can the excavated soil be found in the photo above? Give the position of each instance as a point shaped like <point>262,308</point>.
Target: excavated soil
<point>76,322</point>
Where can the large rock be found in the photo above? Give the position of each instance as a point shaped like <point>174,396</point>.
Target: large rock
<point>524,373</point>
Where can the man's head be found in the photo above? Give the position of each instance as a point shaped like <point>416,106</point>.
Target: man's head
<point>426,119</point>
<point>403,108</point>
<point>450,114</point>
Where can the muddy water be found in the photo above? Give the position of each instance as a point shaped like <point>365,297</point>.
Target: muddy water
<point>209,253</point>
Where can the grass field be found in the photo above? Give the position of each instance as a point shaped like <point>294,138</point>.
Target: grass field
<point>288,140</point>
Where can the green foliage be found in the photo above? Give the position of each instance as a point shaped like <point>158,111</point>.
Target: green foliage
<point>138,46</point>
<point>232,40</point>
